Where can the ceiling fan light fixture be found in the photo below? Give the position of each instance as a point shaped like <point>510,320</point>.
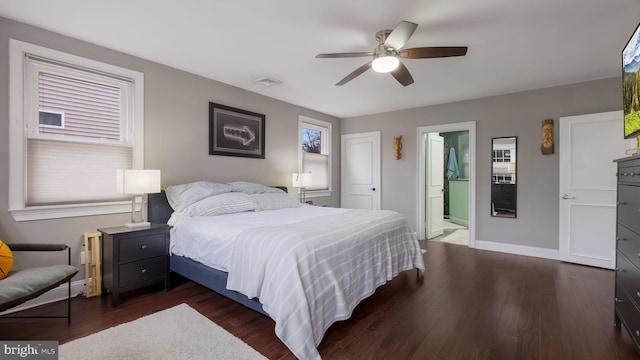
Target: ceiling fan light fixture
<point>385,64</point>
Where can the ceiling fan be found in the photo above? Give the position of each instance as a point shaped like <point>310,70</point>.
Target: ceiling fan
<point>386,56</point>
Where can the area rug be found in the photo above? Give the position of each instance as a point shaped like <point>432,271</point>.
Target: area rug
<point>176,333</point>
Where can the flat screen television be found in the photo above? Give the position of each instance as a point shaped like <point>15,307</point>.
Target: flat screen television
<point>631,85</point>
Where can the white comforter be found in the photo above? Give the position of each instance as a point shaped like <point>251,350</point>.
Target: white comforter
<point>312,273</point>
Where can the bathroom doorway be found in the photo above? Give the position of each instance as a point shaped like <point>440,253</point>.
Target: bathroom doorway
<point>458,206</point>
<point>456,188</point>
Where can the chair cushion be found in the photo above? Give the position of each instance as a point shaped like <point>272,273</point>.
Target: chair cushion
<point>23,285</point>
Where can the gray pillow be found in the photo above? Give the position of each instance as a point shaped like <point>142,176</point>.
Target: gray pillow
<point>183,195</point>
<point>254,188</point>
<point>228,203</point>
<point>274,201</point>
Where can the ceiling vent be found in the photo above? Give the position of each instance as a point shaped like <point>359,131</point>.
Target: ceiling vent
<point>267,81</point>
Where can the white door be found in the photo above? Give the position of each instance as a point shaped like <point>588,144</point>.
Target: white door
<point>435,185</point>
<point>360,171</point>
<point>588,146</point>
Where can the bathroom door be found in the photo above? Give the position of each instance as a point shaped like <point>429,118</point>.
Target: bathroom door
<point>435,185</point>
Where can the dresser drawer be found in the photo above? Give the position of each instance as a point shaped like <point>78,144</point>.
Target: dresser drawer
<point>629,172</point>
<point>629,206</point>
<point>143,271</point>
<point>628,243</point>
<point>142,247</point>
<point>628,313</point>
<point>628,276</point>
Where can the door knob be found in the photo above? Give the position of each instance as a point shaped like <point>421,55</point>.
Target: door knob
<point>567,197</point>
<point>373,189</point>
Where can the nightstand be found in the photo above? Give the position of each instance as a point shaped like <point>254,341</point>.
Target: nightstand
<point>133,258</point>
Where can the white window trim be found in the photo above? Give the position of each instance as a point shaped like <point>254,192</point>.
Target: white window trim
<point>323,124</point>
<point>18,144</point>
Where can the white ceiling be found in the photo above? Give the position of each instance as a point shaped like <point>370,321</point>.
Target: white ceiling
<point>514,45</point>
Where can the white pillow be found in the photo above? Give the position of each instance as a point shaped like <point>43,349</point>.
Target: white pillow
<point>253,188</point>
<point>227,203</point>
<point>181,196</point>
<point>274,201</point>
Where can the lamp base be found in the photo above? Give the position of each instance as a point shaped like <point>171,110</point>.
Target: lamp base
<point>138,225</point>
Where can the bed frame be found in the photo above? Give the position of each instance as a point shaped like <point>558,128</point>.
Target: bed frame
<point>159,211</point>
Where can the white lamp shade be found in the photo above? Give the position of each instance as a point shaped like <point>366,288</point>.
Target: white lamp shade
<point>385,64</point>
<point>301,179</point>
<point>134,181</point>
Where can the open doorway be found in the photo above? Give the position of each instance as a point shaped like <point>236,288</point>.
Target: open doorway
<point>456,220</point>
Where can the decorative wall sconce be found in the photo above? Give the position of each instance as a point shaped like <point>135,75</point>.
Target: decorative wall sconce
<point>397,146</point>
<point>547,137</point>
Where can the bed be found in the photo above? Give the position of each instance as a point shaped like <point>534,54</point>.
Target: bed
<point>304,266</point>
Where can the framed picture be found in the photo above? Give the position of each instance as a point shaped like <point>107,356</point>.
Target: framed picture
<point>235,132</point>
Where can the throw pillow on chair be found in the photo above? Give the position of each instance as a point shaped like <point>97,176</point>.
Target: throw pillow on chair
<point>6,260</point>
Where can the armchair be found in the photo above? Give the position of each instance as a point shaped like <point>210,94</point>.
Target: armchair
<point>26,284</point>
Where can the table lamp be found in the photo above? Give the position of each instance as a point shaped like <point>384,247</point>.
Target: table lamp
<point>302,180</point>
<point>137,183</point>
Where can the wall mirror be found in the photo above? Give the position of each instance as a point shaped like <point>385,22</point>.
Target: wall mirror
<point>503,176</point>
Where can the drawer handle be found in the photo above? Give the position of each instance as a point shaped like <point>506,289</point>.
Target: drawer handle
<point>619,300</point>
<point>622,203</point>
<point>637,332</point>
<point>620,238</point>
<point>144,271</point>
<point>143,247</point>
<point>638,294</point>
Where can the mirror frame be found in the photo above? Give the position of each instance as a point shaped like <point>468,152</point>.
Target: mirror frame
<point>512,214</point>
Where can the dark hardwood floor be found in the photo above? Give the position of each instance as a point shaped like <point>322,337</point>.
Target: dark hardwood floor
<point>470,304</point>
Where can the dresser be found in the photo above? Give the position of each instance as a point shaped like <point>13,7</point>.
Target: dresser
<point>627,296</point>
<point>133,258</point>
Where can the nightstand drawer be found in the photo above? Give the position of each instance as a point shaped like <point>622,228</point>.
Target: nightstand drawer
<point>143,271</point>
<point>628,276</point>
<point>628,313</point>
<point>142,247</point>
<point>629,244</point>
<point>629,207</point>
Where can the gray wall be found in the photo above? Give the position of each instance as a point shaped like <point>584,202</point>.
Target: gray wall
<point>517,114</point>
<point>176,134</point>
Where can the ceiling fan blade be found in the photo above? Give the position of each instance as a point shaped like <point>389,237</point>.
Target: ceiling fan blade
<point>400,35</point>
<point>433,52</point>
<point>344,55</point>
<point>354,74</point>
<point>402,75</point>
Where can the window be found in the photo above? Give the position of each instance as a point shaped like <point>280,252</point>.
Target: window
<point>51,119</point>
<point>501,155</point>
<point>72,123</point>
<point>315,155</point>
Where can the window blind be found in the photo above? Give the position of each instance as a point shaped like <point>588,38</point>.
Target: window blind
<point>61,172</point>
<point>318,166</point>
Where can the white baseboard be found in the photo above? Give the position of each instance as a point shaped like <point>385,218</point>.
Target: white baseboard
<point>518,249</point>
<point>57,294</point>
